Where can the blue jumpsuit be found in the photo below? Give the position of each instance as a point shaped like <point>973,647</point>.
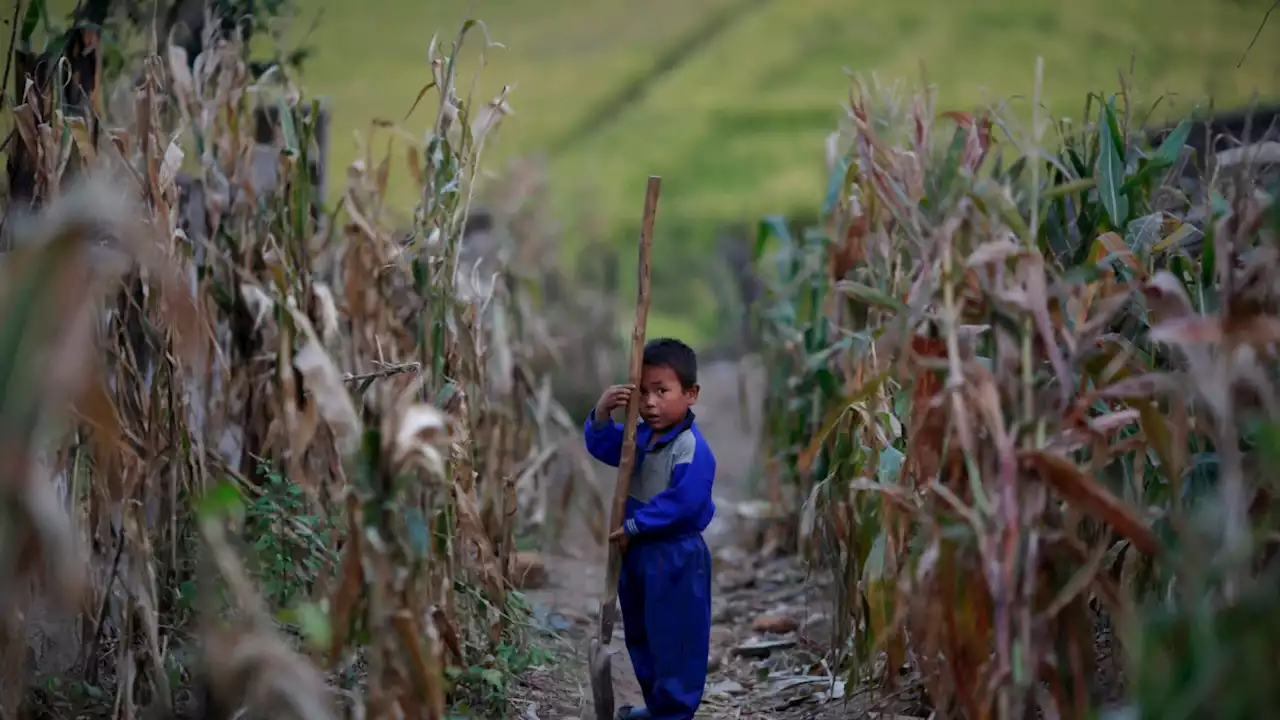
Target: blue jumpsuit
<point>665,586</point>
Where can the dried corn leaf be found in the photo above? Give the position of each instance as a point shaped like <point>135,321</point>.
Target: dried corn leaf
<point>1148,386</point>
<point>426,663</point>
<point>1166,298</point>
<point>1256,330</point>
<point>258,671</point>
<point>471,530</point>
<point>1089,496</point>
<point>995,251</point>
<point>420,437</point>
<point>170,166</point>
<point>328,390</point>
<point>350,582</point>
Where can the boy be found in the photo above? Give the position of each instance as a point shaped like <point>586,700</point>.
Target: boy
<point>665,586</point>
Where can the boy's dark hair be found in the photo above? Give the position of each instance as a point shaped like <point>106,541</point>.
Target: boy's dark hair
<point>668,352</point>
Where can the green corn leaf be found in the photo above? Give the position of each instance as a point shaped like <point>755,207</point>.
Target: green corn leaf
<point>287,129</point>
<point>29,22</point>
<point>1171,148</point>
<point>1164,156</point>
<point>1110,172</point>
<point>772,226</point>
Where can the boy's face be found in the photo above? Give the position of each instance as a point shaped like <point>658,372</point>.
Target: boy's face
<point>663,403</point>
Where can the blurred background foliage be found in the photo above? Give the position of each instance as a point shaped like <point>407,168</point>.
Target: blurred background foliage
<point>731,100</point>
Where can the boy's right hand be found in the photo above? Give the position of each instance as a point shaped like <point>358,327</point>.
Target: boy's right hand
<point>613,397</point>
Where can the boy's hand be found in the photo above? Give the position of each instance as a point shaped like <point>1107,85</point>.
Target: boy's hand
<point>619,537</point>
<point>614,397</point>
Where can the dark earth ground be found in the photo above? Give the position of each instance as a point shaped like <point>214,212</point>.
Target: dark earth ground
<point>771,618</point>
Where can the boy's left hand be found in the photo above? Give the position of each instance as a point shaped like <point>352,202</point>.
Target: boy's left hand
<point>619,537</point>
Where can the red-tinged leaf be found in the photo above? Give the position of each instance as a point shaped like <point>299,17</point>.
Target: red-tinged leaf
<point>984,128</point>
<point>921,134</point>
<point>1256,330</point>
<point>1145,386</point>
<point>985,398</point>
<point>426,663</point>
<point>414,159</point>
<point>1166,297</point>
<point>1037,296</point>
<point>1112,244</point>
<point>448,629</point>
<point>929,421</point>
<point>1103,313</point>
<point>1090,497</point>
<point>967,625</point>
<point>1190,330</point>
<point>1111,422</point>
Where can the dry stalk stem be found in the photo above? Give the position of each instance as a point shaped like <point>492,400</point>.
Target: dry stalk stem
<point>626,465</point>
<point>232,412</point>
<point>1069,373</point>
<point>600,664</point>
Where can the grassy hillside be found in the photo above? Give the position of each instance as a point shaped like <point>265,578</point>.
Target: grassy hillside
<point>730,100</point>
<point>736,96</point>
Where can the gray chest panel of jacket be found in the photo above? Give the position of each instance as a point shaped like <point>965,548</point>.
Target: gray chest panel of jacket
<point>654,474</point>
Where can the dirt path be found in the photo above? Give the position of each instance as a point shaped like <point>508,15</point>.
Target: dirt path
<point>770,620</point>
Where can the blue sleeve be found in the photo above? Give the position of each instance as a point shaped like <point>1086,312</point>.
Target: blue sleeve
<point>603,438</point>
<point>686,496</point>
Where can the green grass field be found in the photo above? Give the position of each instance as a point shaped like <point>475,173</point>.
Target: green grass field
<point>731,100</point>
<point>736,96</point>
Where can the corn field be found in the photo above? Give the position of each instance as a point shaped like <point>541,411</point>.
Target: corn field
<point>1023,388</point>
<point>265,454</point>
<point>259,452</point>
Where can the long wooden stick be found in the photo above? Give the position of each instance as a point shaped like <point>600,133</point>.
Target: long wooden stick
<point>626,464</point>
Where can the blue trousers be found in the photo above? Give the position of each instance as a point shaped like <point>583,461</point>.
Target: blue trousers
<point>665,594</point>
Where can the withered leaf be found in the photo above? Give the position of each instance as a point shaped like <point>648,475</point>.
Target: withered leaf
<point>328,390</point>
<point>1089,496</point>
